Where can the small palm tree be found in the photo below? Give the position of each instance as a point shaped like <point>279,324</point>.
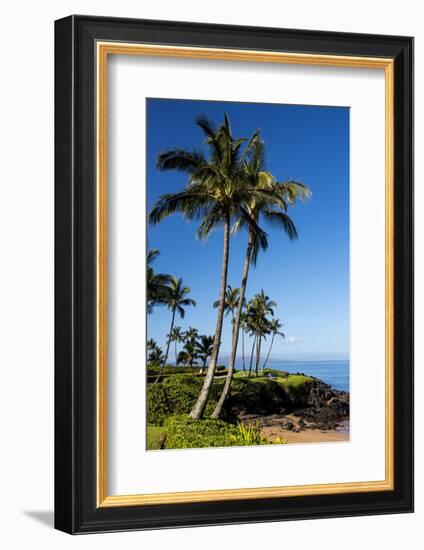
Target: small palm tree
<point>244,328</point>
<point>157,283</point>
<point>175,299</point>
<point>191,335</point>
<point>177,336</point>
<point>274,329</point>
<point>156,357</point>
<point>151,344</point>
<point>249,329</point>
<point>262,303</point>
<point>188,355</point>
<point>182,358</point>
<point>262,306</point>
<point>230,304</point>
<point>258,324</point>
<point>204,349</point>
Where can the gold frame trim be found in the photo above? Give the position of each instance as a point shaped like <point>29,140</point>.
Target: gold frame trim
<point>104,49</point>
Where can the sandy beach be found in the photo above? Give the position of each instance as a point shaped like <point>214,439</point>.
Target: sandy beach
<point>305,436</point>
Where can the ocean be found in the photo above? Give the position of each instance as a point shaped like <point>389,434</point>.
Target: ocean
<point>334,373</point>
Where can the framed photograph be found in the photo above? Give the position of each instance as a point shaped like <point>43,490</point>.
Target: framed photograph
<point>234,274</point>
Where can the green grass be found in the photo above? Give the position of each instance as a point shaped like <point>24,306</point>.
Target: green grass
<point>292,381</point>
<point>154,436</point>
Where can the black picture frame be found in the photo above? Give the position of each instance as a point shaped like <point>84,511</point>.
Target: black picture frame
<point>75,275</point>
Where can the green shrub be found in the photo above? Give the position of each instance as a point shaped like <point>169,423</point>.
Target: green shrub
<point>155,437</point>
<point>258,397</point>
<point>176,395</point>
<point>250,434</point>
<point>185,433</point>
<point>158,405</point>
<point>170,369</point>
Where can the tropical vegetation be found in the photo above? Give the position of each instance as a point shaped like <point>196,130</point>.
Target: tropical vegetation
<point>227,188</point>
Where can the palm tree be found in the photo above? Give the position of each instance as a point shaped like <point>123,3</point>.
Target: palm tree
<point>177,336</point>
<point>151,344</point>
<point>274,329</point>
<point>191,335</point>
<point>270,203</point>
<point>248,328</point>
<point>175,299</point>
<point>244,328</point>
<point>261,306</point>
<point>230,304</point>
<point>189,354</point>
<point>204,349</point>
<point>157,283</point>
<point>258,329</point>
<point>155,357</point>
<point>215,194</point>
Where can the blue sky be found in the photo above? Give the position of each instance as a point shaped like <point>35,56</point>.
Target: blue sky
<point>308,278</point>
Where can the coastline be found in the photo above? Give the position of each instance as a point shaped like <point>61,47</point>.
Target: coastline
<point>307,435</point>
<point>277,406</point>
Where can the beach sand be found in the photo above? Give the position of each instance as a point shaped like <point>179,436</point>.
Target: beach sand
<point>305,436</point>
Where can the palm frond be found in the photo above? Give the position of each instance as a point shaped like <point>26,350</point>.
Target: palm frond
<point>152,254</point>
<point>180,159</point>
<point>281,220</point>
<point>211,221</point>
<point>188,202</point>
<point>293,190</point>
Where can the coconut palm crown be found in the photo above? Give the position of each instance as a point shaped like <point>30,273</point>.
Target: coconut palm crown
<point>176,299</point>
<point>157,283</point>
<point>274,329</point>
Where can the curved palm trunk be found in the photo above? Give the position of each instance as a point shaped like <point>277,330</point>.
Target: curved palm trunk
<point>258,356</point>
<point>199,408</point>
<point>236,329</point>
<point>176,354</point>
<point>167,349</point>
<point>251,356</point>
<point>269,351</point>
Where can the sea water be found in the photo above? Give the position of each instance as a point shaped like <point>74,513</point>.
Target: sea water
<point>332,372</point>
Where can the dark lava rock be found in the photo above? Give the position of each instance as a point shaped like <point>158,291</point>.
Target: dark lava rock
<point>314,405</point>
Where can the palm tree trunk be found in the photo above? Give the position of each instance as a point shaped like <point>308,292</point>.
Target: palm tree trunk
<point>204,365</point>
<point>167,348</point>
<point>258,356</point>
<point>242,350</point>
<point>199,408</point>
<point>269,351</point>
<point>236,329</point>
<point>251,356</point>
<point>176,355</point>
